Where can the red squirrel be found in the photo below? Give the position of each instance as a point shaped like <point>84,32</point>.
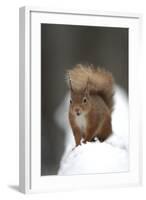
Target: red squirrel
<point>91,103</point>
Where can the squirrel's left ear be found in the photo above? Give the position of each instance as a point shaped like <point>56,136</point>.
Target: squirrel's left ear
<point>86,90</point>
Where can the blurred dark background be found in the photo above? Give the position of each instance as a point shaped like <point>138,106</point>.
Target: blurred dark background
<point>63,46</point>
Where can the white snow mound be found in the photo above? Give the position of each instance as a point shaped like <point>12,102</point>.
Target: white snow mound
<point>93,158</point>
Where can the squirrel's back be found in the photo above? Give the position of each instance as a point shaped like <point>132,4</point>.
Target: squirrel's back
<point>100,82</point>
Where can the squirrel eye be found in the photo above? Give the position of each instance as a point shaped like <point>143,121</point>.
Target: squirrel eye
<point>84,100</point>
<point>70,101</point>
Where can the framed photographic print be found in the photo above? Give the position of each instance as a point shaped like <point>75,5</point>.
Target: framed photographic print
<point>79,110</point>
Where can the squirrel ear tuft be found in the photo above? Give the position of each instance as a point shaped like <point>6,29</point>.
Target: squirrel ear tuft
<point>70,84</point>
<point>86,89</point>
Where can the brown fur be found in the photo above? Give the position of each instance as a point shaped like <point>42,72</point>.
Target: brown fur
<point>92,97</point>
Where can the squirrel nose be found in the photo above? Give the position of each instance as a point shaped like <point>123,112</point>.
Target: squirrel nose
<point>77,110</point>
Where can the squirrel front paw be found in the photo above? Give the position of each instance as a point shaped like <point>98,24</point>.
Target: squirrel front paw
<point>84,141</point>
<point>75,146</point>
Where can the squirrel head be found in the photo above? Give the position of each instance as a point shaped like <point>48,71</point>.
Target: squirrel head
<point>80,103</point>
<point>93,83</point>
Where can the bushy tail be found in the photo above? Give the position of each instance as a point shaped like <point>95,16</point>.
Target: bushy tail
<point>99,81</point>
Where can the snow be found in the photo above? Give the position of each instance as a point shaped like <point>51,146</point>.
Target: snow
<point>90,158</point>
<point>93,158</point>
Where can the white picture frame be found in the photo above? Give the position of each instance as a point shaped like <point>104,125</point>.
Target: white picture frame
<point>30,178</point>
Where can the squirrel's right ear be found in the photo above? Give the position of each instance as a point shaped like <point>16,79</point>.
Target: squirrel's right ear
<point>69,82</point>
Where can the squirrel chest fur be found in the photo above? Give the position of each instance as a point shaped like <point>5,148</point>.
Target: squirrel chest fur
<point>91,102</point>
<point>81,122</point>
